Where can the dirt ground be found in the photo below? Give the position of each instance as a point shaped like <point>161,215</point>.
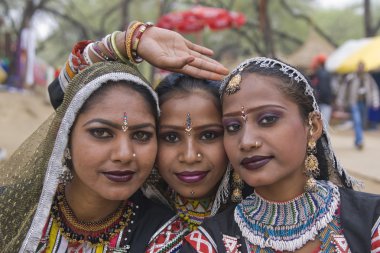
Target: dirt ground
<point>22,113</point>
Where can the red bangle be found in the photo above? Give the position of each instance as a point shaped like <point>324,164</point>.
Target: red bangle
<point>138,33</point>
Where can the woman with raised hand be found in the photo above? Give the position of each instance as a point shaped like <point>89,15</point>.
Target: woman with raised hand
<point>73,186</point>
<point>195,173</point>
<point>303,199</point>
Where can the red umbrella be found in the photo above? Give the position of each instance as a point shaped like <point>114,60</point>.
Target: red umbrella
<point>196,18</point>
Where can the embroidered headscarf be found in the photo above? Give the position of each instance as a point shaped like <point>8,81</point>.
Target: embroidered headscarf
<point>29,179</point>
<point>263,66</point>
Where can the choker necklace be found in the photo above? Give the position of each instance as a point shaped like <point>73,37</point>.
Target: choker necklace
<point>192,211</point>
<point>287,226</point>
<point>95,233</point>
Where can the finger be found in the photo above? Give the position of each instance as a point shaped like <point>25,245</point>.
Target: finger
<point>176,62</point>
<point>203,57</point>
<point>198,48</point>
<point>200,73</point>
<point>215,67</point>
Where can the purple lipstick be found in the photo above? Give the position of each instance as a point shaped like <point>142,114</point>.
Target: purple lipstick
<point>119,176</point>
<point>255,162</point>
<point>191,176</point>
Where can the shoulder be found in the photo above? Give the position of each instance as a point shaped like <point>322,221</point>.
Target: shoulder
<point>151,210</point>
<point>360,216</point>
<point>360,200</point>
<point>169,237</point>
<point>150,217</point>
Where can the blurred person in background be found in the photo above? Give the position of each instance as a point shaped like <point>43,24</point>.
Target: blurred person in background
<point>361,92</point>
<point>322,85</point>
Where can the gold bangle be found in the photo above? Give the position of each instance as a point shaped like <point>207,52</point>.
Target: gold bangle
<point>128,40</point>
<point>113,43</point>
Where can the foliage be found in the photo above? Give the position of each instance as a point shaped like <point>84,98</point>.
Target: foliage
<point>74,20</point>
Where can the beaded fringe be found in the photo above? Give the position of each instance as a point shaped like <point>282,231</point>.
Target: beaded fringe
<point>287,237</point>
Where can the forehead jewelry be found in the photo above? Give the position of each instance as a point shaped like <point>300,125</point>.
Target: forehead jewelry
<point>188,124</point>
<point>233,85</point>
<point>243,114</point>
<point>124,125</point>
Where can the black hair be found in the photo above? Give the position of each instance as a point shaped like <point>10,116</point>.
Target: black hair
<point>176,83</point>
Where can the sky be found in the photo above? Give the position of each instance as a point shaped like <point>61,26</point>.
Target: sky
<point>337,3</point>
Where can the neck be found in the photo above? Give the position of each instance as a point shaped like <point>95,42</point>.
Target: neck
<point>88,206</point>
<point>284,190</point>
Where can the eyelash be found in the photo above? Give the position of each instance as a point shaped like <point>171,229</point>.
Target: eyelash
<point>99,134</point>
<point>268,120</point>
<point>95,132</point>
<point>173,137</point>
<point>264,121</point>
<point>145,138</point>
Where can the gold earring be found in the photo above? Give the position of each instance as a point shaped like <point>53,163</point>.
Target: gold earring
<point>311,166</point>
<point>66,176</point>
<point>237,186</point>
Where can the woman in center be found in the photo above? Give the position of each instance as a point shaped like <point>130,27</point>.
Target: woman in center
<point>192,170</point>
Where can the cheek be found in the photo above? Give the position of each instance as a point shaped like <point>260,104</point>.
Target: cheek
<point>218,155</point>
<point>165,155</point>
<point>146,157</point>
<point>231,148</point>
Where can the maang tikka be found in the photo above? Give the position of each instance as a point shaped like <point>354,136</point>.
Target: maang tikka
<point>243,114</point>
<point>124,125</point>
<point>188,124</point>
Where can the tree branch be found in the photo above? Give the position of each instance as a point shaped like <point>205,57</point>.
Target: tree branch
<point>76,23</point>
<point>308,20</point>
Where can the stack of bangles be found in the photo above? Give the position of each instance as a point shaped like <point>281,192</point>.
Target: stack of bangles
<point>85,52</point>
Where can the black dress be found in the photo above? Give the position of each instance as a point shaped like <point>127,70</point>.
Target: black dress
<point>360,218</point>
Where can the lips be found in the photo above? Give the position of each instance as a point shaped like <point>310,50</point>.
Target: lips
<point>191,176</point>
<point>119,176</point>
<point>255,162</point>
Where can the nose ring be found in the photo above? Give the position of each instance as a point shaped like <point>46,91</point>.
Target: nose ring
<point>257,144</point>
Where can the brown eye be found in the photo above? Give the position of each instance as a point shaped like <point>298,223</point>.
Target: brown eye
<point>170,137</point>
<point>100,133</point>
<point>142,136</point>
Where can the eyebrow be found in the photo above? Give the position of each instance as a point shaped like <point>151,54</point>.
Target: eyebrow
<point>238,113</point>
<point>118,126</point>
<point>195,128</point>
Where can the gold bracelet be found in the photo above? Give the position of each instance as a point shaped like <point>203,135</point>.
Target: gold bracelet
<point>128,40</point>
<point>114,47</point>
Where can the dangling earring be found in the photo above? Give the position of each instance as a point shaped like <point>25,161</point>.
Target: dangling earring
<point>311,163</point>
<point>66,176</point>
<point>237,186</point>
<point>154,176</point>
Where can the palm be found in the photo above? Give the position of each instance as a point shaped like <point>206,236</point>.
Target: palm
<point>169,50</point>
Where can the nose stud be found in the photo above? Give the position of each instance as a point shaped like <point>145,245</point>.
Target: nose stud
<point>257,144</point>
<point>199,155</point>
<point>134,154</point>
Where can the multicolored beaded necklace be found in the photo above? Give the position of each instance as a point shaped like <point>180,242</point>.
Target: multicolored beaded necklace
<point>287,226</point>
<point>192,211</point>
<point>94,233</point>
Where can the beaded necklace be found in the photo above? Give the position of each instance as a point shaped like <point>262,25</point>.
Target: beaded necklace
<point>287,226</point>
<point>192,211</point>
<point>94,233</point>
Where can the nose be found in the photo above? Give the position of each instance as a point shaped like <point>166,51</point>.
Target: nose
<point>122,150</point>
<point>249,139</point>
<point>189,152</point>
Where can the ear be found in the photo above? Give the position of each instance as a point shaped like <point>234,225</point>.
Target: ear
<point>315,125</point>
